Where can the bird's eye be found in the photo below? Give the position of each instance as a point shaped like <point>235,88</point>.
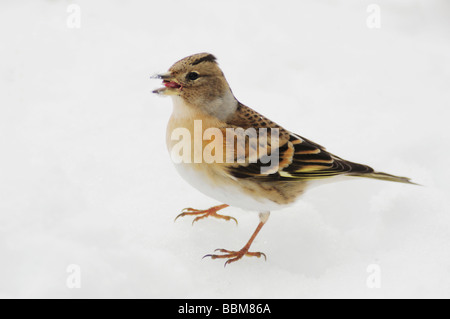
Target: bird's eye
<point>192,76</point>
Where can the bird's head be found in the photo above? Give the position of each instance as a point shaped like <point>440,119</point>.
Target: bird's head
<point>199,81</point>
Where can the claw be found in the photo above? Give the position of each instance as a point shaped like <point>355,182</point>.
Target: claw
<point>234,255</point>
<point>189,209</point>
<point>211,212</point>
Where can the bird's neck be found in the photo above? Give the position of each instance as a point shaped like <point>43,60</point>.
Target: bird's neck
<point>222,107</point>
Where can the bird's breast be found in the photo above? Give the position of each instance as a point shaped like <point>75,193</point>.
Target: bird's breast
<point>186,144</point>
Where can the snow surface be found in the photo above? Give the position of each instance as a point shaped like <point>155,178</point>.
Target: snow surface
<point>85,177</point>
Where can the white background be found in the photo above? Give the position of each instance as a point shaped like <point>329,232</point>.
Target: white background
<point>85,177</point>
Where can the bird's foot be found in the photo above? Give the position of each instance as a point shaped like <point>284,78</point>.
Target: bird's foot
<point>203,213</point>
<point>235,255</point>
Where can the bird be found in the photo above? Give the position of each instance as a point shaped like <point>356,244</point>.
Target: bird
<point>239,176</point>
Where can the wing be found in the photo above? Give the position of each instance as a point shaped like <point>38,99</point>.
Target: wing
<point>297,158</point>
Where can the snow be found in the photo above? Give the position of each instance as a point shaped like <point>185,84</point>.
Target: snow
<point>85,178</point>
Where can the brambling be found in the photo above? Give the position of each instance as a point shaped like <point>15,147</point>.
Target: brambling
<point>239,175</point>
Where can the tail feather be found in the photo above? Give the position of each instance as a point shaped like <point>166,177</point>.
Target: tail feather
<point>361,170</point>
<point>385,177</point>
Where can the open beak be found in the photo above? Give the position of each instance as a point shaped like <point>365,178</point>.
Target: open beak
<point>171,87</point>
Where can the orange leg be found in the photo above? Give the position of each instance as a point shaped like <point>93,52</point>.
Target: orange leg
<point>211,212</point>
<point>236,255</point>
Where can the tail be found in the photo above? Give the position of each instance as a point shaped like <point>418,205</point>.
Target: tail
<point>360,170</point>
<point>385,177</point>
